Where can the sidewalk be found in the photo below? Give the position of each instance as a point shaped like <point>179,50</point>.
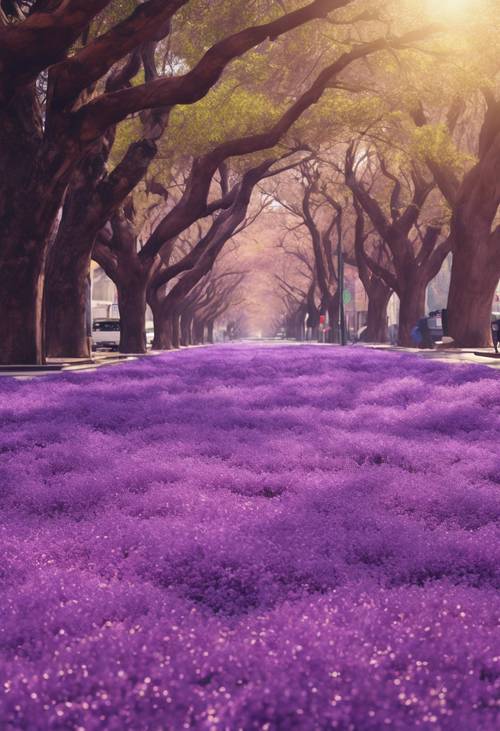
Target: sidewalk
<point>97,360</point>
<point>480,356</point>
<point>464,356</point>
<point>58,365</point>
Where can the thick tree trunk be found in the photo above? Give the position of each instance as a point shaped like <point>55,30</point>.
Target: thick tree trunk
<point>21,300</point>
<point>163,339</point>
<point>68,267</point>
<point>67,302</point>
<point>411,309</point>
<point>26,222</point>
<point>132,306</point>
<point>474,279</point>
<point>475,272</point>
<point>167,323</point>
<point>163,335</point>
<point>28,213</point>
<point>379,295</point>
<point>475,235</point>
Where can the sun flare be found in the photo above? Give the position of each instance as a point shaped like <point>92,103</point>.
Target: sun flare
<point>451,8</point>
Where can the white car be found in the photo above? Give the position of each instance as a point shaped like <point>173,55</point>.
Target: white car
<point>150,333</point>
<point>106,334</point>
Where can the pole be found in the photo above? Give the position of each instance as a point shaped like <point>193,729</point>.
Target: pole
<point>340,272</point>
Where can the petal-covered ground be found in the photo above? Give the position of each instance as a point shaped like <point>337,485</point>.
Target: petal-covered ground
<point>247,538</point>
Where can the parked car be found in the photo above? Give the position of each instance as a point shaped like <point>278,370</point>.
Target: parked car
<point>150,333</point>
<point>435,326</point>
<point>495,333</point>
<point>106,334</point>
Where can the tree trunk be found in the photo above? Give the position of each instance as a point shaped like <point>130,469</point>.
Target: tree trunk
<point>475,236</point>
<point>333,334</point>
<point>475,273</point>
<point>167,322</point>
<point>176,333</point>
<point>186,322</point>
<point>36,167</point>
<point>411,309</point>
<point>21,322</point>
<point>163,335</point>
<point>379,295</point>
<point>132,306</point>
<point>210,331</point>
<point>68,266</point>
<point>25,225</point>
<point>162,327</point>
<point>198,331</point>
<point>472,288</point>
<point>332,307</point>
<point>67,302</point>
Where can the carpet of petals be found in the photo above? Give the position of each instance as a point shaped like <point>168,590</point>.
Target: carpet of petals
<point>251,537</point>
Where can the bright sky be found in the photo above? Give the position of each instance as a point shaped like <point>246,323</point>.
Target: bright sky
<point>449,8</point>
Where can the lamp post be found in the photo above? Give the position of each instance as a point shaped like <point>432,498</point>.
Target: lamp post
<point>340,277</point>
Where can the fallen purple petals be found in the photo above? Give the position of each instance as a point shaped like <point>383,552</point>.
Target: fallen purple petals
<point>251,538</point>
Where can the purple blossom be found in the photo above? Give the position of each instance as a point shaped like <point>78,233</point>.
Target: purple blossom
<point>252,538</point>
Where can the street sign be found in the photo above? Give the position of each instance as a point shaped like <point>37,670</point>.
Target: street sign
<point>347,297</point>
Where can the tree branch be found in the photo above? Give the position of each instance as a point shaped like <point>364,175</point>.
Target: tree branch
<point>42,40</point>
<point>193,204</point>
<point>150,21</point>
<point>94,117</point>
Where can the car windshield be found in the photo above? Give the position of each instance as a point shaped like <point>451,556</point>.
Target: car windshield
<point>107,325</point>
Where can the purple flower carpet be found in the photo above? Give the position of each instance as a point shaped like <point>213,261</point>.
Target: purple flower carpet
<point>250,537</point>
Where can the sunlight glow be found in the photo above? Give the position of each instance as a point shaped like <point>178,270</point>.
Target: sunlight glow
<point>450,8</point>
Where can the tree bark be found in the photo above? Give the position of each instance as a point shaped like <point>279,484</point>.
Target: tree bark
<point>198,331</point>
<point>210,331</point>
<point>333,332</point>
<point>475,269</point>
<point>132,306</point>
<point>379,295</point>
<point>474,279</point>
<point>163,327</point>
<point>332,307</point>
<point>28,216</point>
<point>67,299</point>
<point>176,335</point>
<point>186,323</point>
<point>22,261</point>
<point>21,293</point>
<point>411,309</point>
<point>163,333</point>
